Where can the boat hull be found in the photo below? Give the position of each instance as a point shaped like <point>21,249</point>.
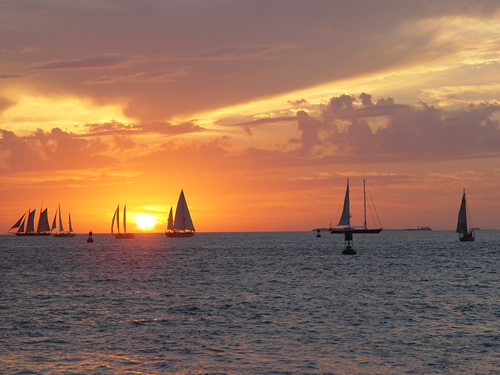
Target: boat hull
<point>356,230</point>
<point>124,236</point>
<point>179,234</point>
<point>467,238</point>
<point>34,234</point>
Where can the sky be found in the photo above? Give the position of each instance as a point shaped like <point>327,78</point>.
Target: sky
<point>258,110</point>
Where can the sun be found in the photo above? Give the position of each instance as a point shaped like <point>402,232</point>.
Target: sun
<point>145,222</point>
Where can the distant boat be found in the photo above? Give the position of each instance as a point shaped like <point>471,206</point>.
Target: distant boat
<point>419,228</point>
<point>465,234</point>
<point>116,217</point>
<point>345,218</point>
<point>182,225</point>
<point>26,225</point>
<point>62,232</point>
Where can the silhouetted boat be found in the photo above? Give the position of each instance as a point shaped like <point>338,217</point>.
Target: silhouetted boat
<point>345,218</point>
<point>62,232</point>
<point>116,217</point>
<point>182,225</point>
<point>26,225</point>
<point>465,234</point>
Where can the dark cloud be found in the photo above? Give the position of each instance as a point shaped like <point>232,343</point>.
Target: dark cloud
<point>105,60</point>
<point>421,132</point>
<point>10,76</point>
<point>55,150</point>
<point>161,76</point>
<point>163,128</point>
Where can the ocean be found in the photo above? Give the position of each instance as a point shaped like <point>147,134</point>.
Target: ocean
<point>410,302</point>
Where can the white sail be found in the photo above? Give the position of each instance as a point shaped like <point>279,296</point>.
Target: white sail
<point>462,217</point>
<point>170,221</point>
<point>182,217</point>
<point>345,218</point>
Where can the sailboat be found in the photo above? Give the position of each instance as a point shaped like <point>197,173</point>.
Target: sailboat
<point>62,232</point>
<point>116,217</point>
<point>345,218</point>
<point>26,224</point>
<point>182,225</point>
<point>465,234</point>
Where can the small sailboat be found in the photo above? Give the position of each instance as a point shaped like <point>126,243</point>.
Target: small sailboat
<point>182,225</point>
<point>26,225</point>
<point>345,218</point>
<point>462,228</point>
<point>116,217</point>
<point>62,232</point>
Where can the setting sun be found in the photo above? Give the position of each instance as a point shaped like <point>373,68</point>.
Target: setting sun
<point>145,222</point>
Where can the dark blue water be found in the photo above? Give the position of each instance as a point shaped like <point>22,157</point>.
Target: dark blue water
<point>251,303</point>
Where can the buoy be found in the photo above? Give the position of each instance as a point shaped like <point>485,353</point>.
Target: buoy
<point>348,250</point>
<point>90,237</point>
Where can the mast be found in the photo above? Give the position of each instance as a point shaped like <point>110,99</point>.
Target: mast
<point>125,218</point>
<point>364,201</point>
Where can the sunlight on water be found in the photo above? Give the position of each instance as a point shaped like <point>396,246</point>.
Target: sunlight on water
<point>250,303</point>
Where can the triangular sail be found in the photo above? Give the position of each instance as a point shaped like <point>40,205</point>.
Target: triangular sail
<point>43,222</point>
<point>70,226</point>
<point>125,219</point>
<point>61,229</point>
<point>54,222</point>
<point>115,217</point>
<point>21,228</point>
<point>462,217</point>
<point>30,225</point>
<point>170,221</point>
<point>345,218</point>
<point>182,217</point>
<point>19,223</point>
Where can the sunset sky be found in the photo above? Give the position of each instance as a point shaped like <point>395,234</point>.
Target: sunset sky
<point>258,110</point>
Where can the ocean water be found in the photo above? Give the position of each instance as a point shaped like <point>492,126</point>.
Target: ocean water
<point>410,302</point>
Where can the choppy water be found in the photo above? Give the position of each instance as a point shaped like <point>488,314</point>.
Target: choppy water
<point>251,303</point>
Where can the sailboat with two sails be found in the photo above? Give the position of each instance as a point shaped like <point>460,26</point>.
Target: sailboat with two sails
<point>26,224</point>
<point>345,218</point>
<point>182,225</point>
<point>463,219</point>
<point>116,217</point>
<point>62,233</point>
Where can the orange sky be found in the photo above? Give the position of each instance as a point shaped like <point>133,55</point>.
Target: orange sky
<point>259,110</point>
